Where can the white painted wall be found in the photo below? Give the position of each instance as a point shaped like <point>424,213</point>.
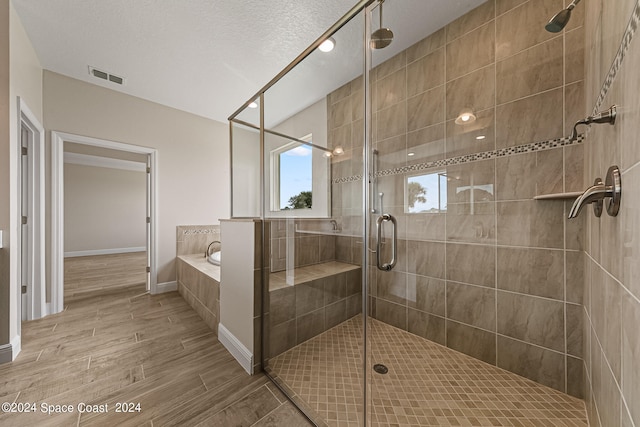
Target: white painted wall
<point>236,279</point>
<point>246,172</point>
<point>193,152</point>
<point>20,76</point>
<point>104,209</point>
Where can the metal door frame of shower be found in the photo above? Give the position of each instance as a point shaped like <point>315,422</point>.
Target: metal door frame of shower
<point>362,6</point>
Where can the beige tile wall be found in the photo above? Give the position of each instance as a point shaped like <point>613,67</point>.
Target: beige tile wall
<point>200,291</point>
<point>194,239</point>
<point>298,313</point>
<point>499,275</point>
<point>612,261</point>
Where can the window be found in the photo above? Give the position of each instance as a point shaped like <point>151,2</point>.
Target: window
<point>292,176</point>
<point>426,193</point>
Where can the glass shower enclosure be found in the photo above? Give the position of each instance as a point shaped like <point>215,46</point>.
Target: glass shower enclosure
<point>375,168</point>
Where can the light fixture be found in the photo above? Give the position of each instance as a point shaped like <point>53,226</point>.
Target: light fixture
<point>480,137</point>
<point>327,154</point>
<point>411,154</point>
<point>338,150</point>
<point>327,45</point>
<point>466,116</point>
<point>253,105</point>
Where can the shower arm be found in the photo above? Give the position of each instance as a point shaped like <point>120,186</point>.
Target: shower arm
<point>607,116</point>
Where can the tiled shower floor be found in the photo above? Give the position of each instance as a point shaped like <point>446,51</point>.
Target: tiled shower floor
<point>427,384</point>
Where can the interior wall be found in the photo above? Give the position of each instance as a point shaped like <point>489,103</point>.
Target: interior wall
<point>497,276</point>
<point>105,209</point>
<point>193,152</point>
<point>612,262</point>
<point>246,172</point>
<point>6,332</point>
<point>20,76</point>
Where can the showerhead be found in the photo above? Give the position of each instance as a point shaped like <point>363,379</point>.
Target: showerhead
<point>561,19</point>
<point>382,37</point>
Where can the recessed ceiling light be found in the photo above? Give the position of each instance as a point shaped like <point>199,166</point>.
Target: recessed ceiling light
<point>466,116</point>
<point>411,154</point>
<point>327,45</point>
<point>253,105</point>
<point>327,154</point>
<point>338,150</point>
<point>479,137</point>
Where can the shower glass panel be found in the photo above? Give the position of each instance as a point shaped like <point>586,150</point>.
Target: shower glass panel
<point>245,167</point>
<point>313,207</point>
<point>410,277</point>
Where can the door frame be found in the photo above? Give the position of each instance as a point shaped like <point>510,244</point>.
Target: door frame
<point>35,259</point>
<point>57,208</point>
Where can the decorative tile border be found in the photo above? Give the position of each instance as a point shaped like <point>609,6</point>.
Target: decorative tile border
<point>191,231</point>
<point>485,155</point>
<point>617,61</point>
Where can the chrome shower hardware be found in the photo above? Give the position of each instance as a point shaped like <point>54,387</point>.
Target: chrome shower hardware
<point>561,19</point>
<point>387,266</point>
<point>611,189</point>
<point>608,116</point>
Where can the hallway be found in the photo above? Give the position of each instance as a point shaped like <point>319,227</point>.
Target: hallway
<point>123,345</point>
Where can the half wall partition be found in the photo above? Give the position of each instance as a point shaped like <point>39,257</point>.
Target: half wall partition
<point>409,277</point>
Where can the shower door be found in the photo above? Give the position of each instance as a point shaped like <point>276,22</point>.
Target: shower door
<point>313,207</point>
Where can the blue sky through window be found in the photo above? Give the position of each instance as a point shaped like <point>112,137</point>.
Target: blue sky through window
<point>295,173</point>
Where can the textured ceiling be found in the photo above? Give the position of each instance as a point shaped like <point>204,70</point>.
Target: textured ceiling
<point>208,57</point>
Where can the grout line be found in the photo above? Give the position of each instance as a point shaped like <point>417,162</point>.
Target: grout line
<point>269,413</point>
<point>542,92</point>
<point>630,168</point>
<point>203,383</point>
<point>89,363</point>
<point>17,396</point>
<point>142,370</point>
<point>614,278</point>
<point>93,334</point>
<point>39,354</point>
<point>54,327</point>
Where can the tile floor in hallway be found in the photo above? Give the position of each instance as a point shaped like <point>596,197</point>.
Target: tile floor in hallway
<point>427,384</point>
<point>124,345</point>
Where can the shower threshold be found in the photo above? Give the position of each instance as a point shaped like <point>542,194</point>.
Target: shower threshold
<point>426,384</point>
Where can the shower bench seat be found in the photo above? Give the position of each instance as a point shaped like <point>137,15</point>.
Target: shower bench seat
<point>314,299</point>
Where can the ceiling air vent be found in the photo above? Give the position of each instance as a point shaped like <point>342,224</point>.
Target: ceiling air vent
<point>106,76</point>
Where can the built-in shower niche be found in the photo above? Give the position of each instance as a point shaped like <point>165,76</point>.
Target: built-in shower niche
<point>317,289</point>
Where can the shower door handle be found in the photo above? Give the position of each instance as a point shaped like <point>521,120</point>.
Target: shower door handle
<point>394,242</point>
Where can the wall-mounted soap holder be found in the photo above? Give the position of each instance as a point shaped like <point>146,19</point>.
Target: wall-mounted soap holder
<point>611,189</point>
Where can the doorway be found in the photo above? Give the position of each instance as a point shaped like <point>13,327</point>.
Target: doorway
<point>58,139</point>
<point>31,243</point>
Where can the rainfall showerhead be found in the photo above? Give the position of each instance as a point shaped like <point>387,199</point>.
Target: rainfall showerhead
<point>382,37</point>
<point>561,19</point>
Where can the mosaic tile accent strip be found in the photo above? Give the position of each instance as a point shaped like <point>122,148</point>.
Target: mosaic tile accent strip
<point>627,38</point>
<point>201,231</point>
<point>486,155</point>
<point>427,384</point>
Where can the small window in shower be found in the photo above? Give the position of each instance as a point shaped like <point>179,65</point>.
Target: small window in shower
<point>292,179</point>
<point>426,193</point>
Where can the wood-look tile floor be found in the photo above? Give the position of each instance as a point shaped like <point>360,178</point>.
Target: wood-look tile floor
<point>122,346</point>
<point>99,272</point>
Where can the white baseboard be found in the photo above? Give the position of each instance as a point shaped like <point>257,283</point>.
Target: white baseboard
<point>73,254</point>
<point>236,348</point>
<point>9,352</point>
<point>166,287</point>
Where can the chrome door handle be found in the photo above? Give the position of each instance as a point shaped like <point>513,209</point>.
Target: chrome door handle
<point>394,242</point>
